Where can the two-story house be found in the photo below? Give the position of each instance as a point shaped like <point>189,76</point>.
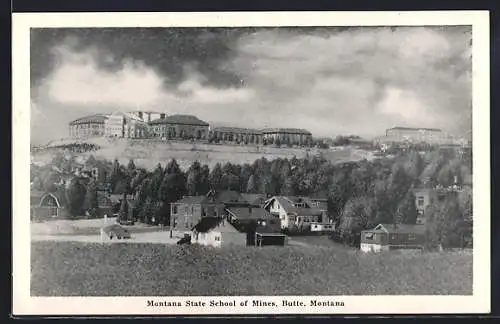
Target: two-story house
<point>188,211</point>
<point>295,213</point>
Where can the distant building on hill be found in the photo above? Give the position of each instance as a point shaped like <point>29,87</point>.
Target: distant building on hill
<point>88,126</point>
<point>236,134</point>
<point>294,136</point>
<point>179,127</point>
<point>125,125</point>
<point>429,135</point>
<point>146,116</point>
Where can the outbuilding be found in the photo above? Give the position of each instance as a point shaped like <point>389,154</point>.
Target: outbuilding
<point>386,237</point>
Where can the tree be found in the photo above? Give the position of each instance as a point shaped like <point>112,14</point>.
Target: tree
<point>414,165</point>
<point>147,211</point>
<point>172,187</point>
<point>215,177</point>
<point>358,214</point>
<point>251,185</point>
<point>124,208</point>
<point>131,169</point>
<point>406,212</point>
<point>445,176</point>
<point>75,196</point>
<point>90,203</point>
<point>444,223</point>
<point>49,183</point>
<point>194,179</point>
<point>290,186</point>
<point>399,183</point>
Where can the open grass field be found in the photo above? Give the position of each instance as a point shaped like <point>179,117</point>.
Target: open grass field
<point>147,153</point>
<point>93,269</point>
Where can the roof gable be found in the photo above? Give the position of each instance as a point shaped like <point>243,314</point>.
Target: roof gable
<point>208,224</point>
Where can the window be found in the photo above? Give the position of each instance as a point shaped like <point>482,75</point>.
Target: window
<point>217,238</point>
<point>420,201</point>
<point>175,209</point>
<point>369,236</point>
<point>411,236</point>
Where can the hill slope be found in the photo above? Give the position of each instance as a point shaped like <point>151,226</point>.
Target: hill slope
<point>147,153</point>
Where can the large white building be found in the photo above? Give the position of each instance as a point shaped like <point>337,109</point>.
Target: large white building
<point>125,125</point>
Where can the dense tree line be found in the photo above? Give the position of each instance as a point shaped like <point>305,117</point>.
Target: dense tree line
<point>360,194</point>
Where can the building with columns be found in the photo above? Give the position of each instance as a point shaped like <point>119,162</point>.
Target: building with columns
<point>293,136</point>
<point>88,126</point>
<point>236,134</point>
<point>179,127</point>
<point>125,125</point>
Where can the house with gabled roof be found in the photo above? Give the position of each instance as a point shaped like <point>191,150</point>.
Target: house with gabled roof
<point>295,213</point>
<point>217,232</point>
<point>386,237</point>
<point>47,205</point>
<point>257,200</point>
<point>189,210</point>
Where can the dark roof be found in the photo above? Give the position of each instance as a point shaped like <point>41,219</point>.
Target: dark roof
<point>399,228</point>
<point>288,203</point>
<point>249,213</point>
<point>415,128</point>
<point>191,200</point>
<point>286,131</point>
<point>207,224</point>
<point>180,120</point>
<point>237,130</point>
<point>225,197</point>
<point>98,118</point>
<point>254,199</point>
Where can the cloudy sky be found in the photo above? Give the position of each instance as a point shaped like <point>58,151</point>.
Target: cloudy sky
<point>328,80</point>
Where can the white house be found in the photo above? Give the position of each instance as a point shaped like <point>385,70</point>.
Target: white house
<point>295,213</point>
<point>217,232</point>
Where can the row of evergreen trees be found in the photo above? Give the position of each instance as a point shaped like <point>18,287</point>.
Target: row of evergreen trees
<point>360,194</point>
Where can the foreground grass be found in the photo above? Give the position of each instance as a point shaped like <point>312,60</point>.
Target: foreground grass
<point>80,269</point>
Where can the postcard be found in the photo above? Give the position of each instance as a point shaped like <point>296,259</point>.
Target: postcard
<point>251,163</point>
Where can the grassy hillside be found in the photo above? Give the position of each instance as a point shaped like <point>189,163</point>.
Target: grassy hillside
<point>147,153</point>
<point>80,269</point>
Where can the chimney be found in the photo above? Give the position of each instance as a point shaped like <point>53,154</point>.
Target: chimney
<point>162,116</point>
<point>455,180</point>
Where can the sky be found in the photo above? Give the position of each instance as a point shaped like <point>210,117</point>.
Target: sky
<point>329,80</point>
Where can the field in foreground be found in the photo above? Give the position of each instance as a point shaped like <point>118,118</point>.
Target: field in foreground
<point>85,269</point>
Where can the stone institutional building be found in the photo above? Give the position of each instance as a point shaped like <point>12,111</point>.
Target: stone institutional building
<point>179,127</point>
<point>427,135</point>
<point>88,126</point>
<point>294,136</point>
<point>125,125</point>
<point>236,134</point>
<point>148,124</point>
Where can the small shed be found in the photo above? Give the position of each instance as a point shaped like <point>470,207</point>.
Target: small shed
<point>385,237</point>
<point>114,231</point>
<point>265,236</point>
<point>322,228</point>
